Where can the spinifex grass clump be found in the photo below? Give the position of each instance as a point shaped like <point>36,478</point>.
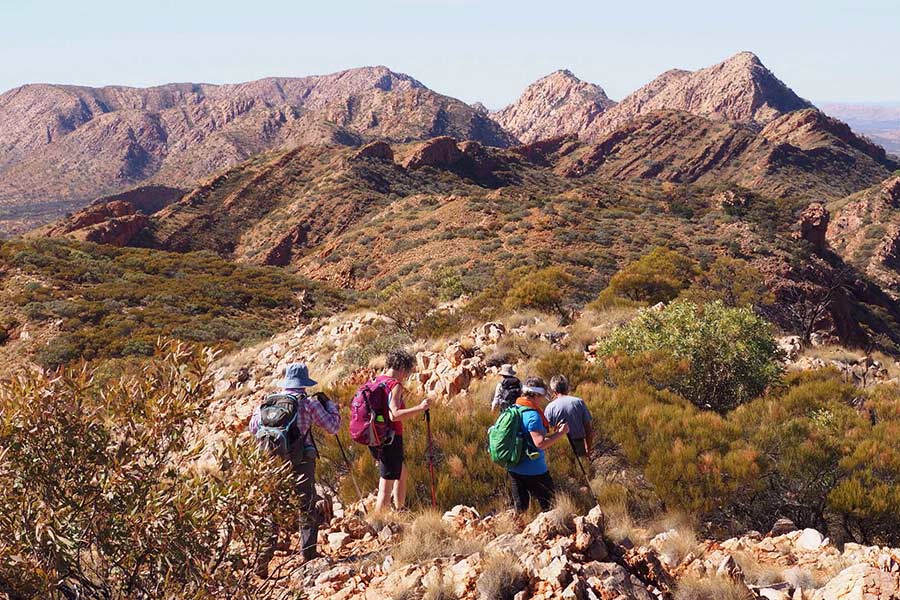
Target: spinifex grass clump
<point>102,494</point>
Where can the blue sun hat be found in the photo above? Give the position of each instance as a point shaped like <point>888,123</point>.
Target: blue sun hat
<point>296,375</point>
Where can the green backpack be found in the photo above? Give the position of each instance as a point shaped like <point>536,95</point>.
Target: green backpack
<point>505,442</point>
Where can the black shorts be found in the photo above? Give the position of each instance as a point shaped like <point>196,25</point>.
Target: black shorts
<point>390,458</point>
<point>578,446</point>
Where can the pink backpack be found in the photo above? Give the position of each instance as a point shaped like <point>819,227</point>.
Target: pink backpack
<point>370,417</point>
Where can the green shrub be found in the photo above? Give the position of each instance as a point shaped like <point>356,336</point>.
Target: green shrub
<point>112,301</point>
<point>570,364</point>
<point>101,494</point>
<point>546,290</point>
<point>658,276</point>
<point>732,281</point>
<point>407,308</point>
<point>800,451</point>
<point>731,353</point>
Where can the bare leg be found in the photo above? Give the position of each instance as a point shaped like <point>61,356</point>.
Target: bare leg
<point>385,490</point>
<point>400,489</point>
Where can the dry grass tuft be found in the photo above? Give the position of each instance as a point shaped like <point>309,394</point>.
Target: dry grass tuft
<point>506,522</point>
<point>439,588</point>
<point>710,588</point>
<point>755,572</point>
<point>501,578</point>
<point>379,519</point>
<point>677,545</point>
<point>428,537</point>
<point>563,511</point>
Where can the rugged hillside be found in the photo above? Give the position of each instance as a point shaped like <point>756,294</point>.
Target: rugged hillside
<point>740,89</point>
<point>278,209</point>
<point>879,122</point>
<point>420,213</point>
<point>865,230</point>
<point>803,153</point>
<point>71,144</point>
<point>558,104</point>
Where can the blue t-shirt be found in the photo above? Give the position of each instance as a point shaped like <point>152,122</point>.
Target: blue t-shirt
<point>531,421</point>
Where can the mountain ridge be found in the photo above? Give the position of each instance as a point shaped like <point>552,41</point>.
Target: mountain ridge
<point>77,143</point>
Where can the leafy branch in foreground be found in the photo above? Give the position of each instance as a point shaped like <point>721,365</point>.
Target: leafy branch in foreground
<point>106,492</point>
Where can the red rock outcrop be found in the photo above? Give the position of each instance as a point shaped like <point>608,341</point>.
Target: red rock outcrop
<point>438,152</point>
<point>813,225</point>
<point>375,150</point>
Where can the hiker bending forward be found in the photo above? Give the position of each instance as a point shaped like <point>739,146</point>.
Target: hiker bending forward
<point>390,457</point>
<point>302,455</point>
<point>572,411</point>
<point>531,477</point>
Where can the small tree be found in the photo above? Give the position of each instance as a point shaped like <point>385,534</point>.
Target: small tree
<point>731,352</point>
<point>732,281</point>
<point>408,308</point>
<point>546,290</point>
<point>658,276</point>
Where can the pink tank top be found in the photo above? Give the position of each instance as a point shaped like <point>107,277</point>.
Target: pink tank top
<point>391,383</point>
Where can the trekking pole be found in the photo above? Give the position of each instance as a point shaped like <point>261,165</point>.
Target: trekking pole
<point>350,472</point>
<point>323,399</point>
<point>587,478</point>
<point>429,454</point>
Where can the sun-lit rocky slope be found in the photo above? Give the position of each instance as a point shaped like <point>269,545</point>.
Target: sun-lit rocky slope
<point>570,552</point>
<point>64,144</point>
<point>364,218</point>
<point>865,230</point>
<point>740,89</point>
<point>558,104</point>
<point>561,554</point>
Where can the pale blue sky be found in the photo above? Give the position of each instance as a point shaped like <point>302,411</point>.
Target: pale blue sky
<point>487,51</point>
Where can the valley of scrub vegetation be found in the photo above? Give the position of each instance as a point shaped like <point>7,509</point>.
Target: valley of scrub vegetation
<point>711,423</point>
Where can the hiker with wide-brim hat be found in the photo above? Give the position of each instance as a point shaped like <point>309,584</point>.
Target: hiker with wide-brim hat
<point>508,389</point>
<point>283,423</point>
<point>531,477</point>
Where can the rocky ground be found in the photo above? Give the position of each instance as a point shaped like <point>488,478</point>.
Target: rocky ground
<point>445,369</point>
<point>560,555</point>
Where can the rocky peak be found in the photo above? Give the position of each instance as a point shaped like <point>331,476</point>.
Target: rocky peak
<point>739,89</point>
<point>554,105</point>
<point>480,108</point>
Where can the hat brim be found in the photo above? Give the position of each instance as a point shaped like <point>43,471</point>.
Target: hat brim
<point>298,383</point>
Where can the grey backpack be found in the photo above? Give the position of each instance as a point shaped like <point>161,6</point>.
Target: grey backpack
<point>277,416</point>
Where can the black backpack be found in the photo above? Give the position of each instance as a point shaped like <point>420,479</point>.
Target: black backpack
<point>510,390</point>
<point>277,416</point>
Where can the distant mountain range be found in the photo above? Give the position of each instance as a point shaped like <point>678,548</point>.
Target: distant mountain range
<point>879,122</point>
<point>63,146</point>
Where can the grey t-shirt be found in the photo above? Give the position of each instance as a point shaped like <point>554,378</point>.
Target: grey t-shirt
<point>573,411</point>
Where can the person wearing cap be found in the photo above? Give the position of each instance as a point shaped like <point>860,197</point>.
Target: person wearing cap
<point>508,390</point>
<point>531,477</point>
<point>574,412</point>
<point>302,454</point>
